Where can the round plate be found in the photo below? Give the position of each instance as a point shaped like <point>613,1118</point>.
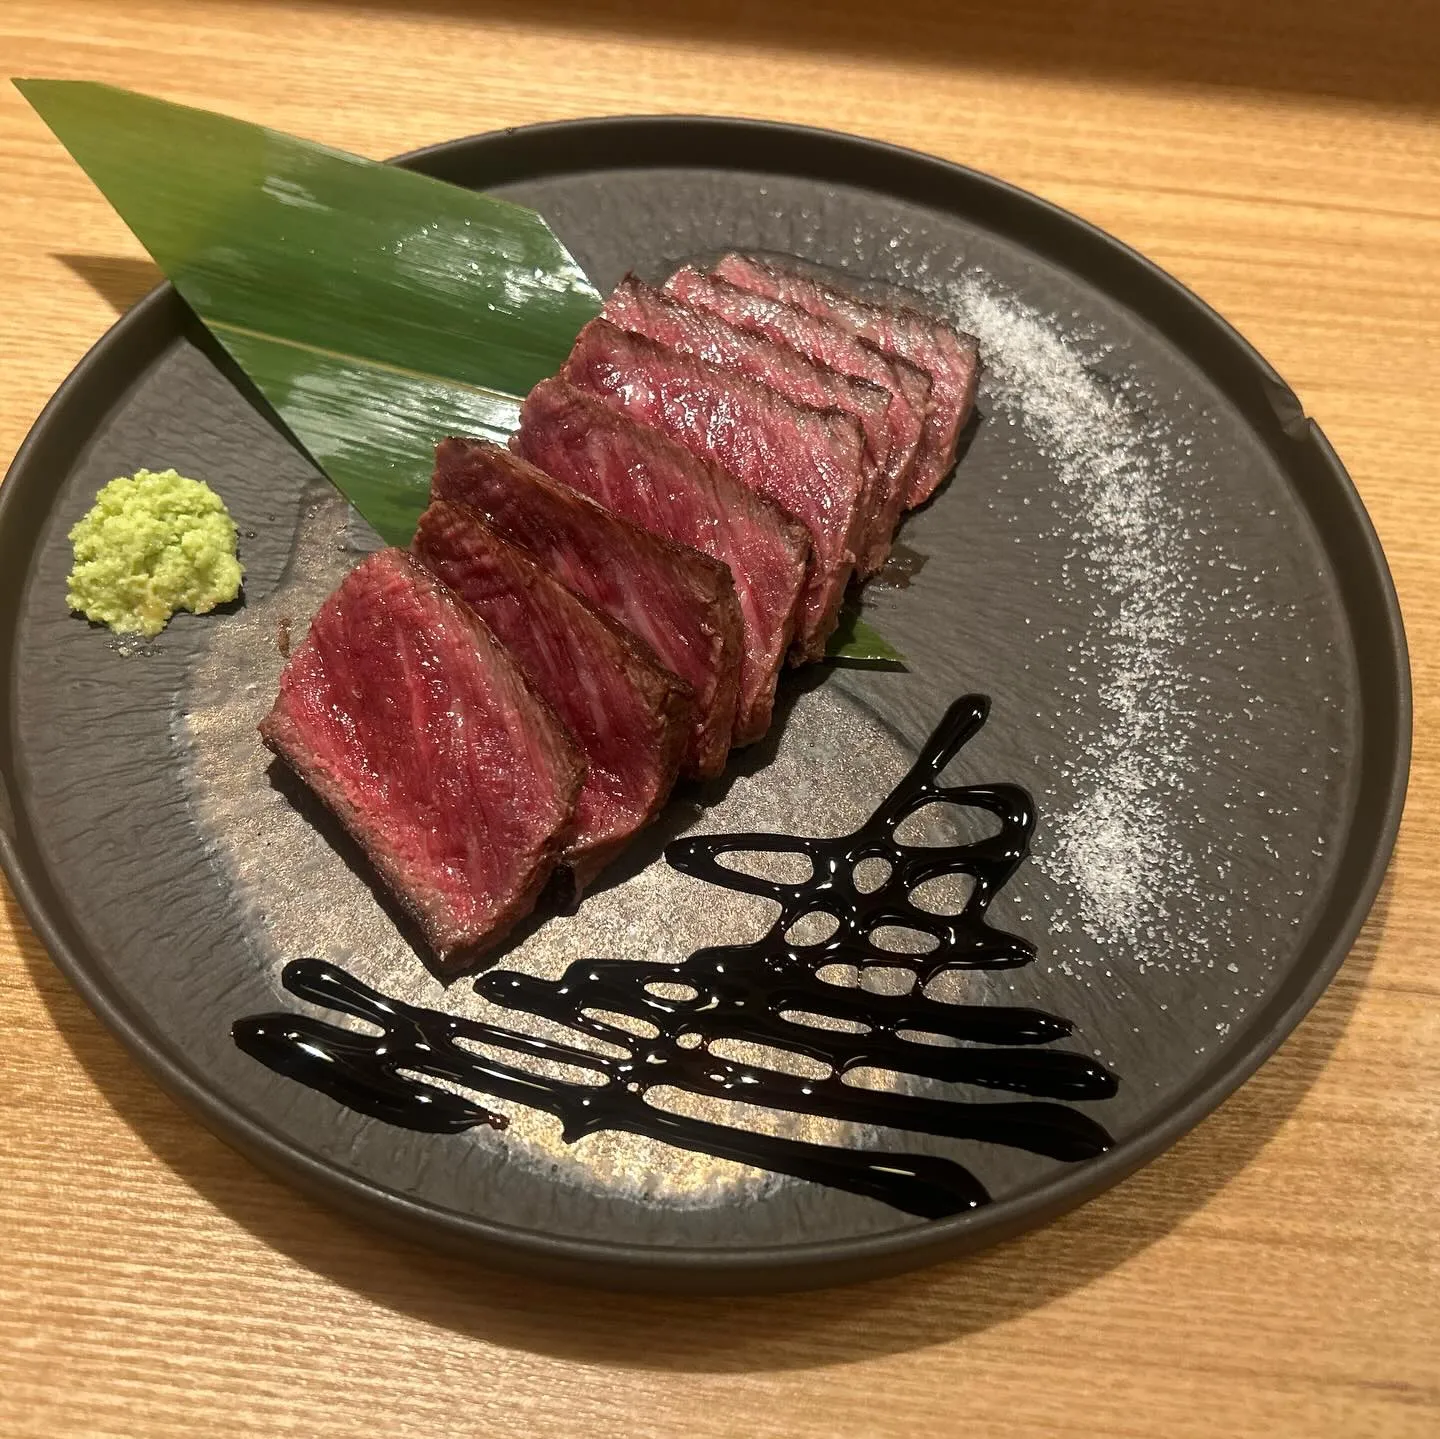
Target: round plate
<point>1148,557</point>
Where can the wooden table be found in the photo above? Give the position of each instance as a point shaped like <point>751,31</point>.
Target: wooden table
<point>1277,1272</point>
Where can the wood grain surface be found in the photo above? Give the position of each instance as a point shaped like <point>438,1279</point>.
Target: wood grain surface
<point>1277,1273</point>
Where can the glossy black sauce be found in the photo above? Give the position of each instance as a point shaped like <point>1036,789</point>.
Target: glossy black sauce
<point>771,993</point>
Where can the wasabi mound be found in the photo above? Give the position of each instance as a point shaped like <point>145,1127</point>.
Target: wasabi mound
<point>152,544</point>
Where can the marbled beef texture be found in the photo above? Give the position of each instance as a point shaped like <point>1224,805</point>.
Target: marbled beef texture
<point>628,715</point>
<point>636,472</point>
<point>672,322</point>
<point>950,358</point>
<point>680,602</point>
<point>405,715</point>
<point>809,462</point>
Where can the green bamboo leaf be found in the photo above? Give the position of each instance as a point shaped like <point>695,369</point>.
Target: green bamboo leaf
<point>859,643</point>
<point>371,428</point>
<point>376,309</point>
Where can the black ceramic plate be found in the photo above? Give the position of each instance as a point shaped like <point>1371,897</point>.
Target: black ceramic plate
<point>1148,558</point>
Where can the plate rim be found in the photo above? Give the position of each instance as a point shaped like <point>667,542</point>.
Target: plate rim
<point>1269,407</point>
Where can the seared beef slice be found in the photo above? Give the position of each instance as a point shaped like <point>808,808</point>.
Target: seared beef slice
<point>951,358</point>
<point>695,331</point>
<point>627,713</point>
<point>680,602</point>
<point>637,473</point>
<point>407,717</point>
<point>838,348</point>
<point>809,462</point>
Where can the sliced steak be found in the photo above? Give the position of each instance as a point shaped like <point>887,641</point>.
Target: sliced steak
<point>950,357</point>
<point>680,602</point>
<point>627,713</point>
<point>677,325</point>
<point>407,717</point>
<point>637,473</point>
<point>809,462</point>
<point>838,348</point>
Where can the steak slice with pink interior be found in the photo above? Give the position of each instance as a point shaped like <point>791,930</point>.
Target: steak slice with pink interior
<point>808,461</point>
<point>840,349</point>
<point>950,357</point>
<point>680,602</point>
<point>410,721</point>
<point>651,481</point>
<point>626,712</point>
<point>677,325</point>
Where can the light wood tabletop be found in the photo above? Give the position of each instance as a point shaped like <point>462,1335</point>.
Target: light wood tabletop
<point>1276,1273</point>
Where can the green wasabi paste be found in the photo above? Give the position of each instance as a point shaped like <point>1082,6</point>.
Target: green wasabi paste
<point>153,543</point>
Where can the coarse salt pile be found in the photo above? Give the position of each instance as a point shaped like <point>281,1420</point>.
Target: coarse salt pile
<point>1116,845</point>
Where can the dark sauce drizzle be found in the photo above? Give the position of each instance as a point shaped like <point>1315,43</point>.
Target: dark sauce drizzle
<point>769,993</point>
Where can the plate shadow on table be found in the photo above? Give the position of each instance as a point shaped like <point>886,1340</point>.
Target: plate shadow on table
<point>720,1335</point>
<point>1290,46</point>
<point>119,280</point>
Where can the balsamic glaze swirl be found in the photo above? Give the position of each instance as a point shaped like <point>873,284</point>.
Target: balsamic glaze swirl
<point>771,993</point>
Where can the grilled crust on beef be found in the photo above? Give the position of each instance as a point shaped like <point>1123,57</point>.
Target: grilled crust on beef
<point>448,536</point>
<point>548,518</point>
<point>564,427</point>
<point>457,947</point>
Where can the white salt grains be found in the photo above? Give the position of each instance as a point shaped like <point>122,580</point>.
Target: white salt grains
<point>1115,845</point>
